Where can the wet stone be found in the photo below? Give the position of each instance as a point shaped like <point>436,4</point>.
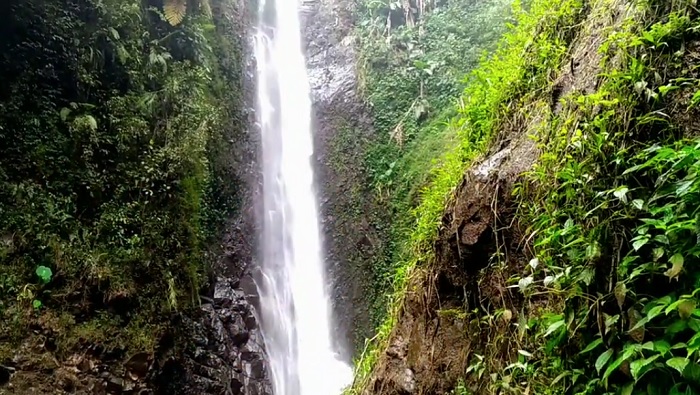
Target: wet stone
<point>138,364</point>
<point>5,375</point>
<point>251,322</point>
<point>115,385</point>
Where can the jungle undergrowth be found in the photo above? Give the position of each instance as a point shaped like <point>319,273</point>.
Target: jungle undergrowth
<point>616,234</point>
<point>518,67</point>
<point>411,74</point>
<point>111,182</point>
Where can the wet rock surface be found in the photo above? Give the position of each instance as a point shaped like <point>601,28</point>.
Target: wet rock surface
<point>225,354</point>
<point>342,133</point>
<point>216,349</point>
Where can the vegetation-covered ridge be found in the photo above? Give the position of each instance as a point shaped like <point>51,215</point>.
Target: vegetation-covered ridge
<point>491,86</point>
<point>412,57</point>
<point>593,264</point>
<point>114,172</point>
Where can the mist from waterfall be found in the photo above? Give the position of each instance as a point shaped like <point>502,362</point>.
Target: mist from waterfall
<point>294,302</point>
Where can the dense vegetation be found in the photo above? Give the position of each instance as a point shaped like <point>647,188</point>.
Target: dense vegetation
<point>616,238</point>
<point>608,296</point>
<point>114,118</point>
<point>411,70</point>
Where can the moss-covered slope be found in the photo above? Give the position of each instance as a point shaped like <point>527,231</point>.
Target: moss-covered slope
<point>553,252</point>
<point>115,169</point>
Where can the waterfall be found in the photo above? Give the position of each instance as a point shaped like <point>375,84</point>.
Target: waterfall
<point>294,302</point>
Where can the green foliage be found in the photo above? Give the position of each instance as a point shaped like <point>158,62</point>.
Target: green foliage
<point>44,274</point>
<point>411,75</point>
<point>612,207</point>
<point>519,65</point>
<point>174,11</point>
<point>107,182</point>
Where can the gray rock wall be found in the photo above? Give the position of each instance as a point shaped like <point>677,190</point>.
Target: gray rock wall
<point>343,129</point>
<point>225,352</point>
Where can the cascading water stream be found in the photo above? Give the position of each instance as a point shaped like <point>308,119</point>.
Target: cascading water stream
<point>294,303</point>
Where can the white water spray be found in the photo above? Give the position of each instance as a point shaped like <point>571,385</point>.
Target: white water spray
<point>294,303</point>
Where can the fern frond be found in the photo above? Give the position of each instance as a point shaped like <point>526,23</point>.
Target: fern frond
<point>174,11</point>
<point>205,6</point>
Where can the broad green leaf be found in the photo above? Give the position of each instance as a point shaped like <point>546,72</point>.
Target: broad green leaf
<point>676,259</point>
<point>593,251</point>
<point>620,294</point>
<point>554,327</point>
<point>639,243</point>
<point>586,275</point>
<point>655,311</point>
<point>603,359</point>
<point>694,344</point>
<point>693,323</point>
<point>629,350</point>
<point>639,324</point>
<point>637,366</point>
<point>663,239</point>
<point>592,345</point>
<point>683,187</point>
<point>115,33</point>
<point>636,324</point>
<point>560,377</point>
<point>65,112</point>
<point>657,253</point>
<point>36,304</point>
<point>676,266</point>
<point>638,203</point>
<point>692,372</point>
<point>679,346</point>
<point>676,327</point>
<point>673,306</point>
<point>676,390</point>
<point>678,363</point>
<point>662,346</point>
<point>686,308</point>
<point>621,193</point>
<point>92,122</point>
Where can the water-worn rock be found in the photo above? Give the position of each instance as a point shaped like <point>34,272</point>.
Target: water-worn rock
<point>340,115</point>
<point>226,356</point>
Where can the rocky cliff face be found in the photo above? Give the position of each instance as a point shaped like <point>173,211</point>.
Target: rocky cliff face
<point>213,349</point>
<point>225,353</point>
<point>218,349</point>
<point>343,128</point>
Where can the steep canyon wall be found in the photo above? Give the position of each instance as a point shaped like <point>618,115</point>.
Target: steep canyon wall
<point>85,335</point>
<point>351,222</point>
